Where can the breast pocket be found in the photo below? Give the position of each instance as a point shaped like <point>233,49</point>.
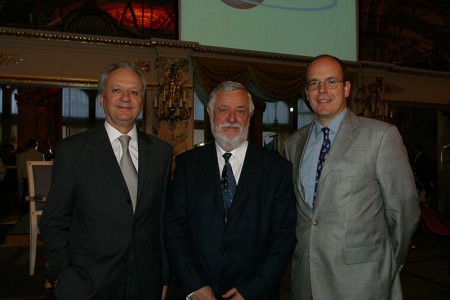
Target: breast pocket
<point>354,172</point>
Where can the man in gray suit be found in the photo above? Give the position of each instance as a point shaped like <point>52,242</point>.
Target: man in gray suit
<point>102,232</point>
<point>357,213</point>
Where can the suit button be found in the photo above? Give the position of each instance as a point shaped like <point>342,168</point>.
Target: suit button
<point>134,229</point>
<point>126,260</point>
<point>223,251</point>
<point>315,222</point>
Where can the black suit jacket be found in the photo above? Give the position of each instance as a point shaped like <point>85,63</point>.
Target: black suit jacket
<point>250,251</point>
<point>94,243</point>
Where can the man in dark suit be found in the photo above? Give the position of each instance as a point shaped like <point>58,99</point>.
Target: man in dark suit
<point>357,204</point>
<point>218,251</point>
<point>103,240</point>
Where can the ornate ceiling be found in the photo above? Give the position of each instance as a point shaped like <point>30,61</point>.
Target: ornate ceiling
<point>129,18</point>
<point>411,33</point>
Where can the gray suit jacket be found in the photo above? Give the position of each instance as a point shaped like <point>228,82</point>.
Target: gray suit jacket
<point>367,208</point>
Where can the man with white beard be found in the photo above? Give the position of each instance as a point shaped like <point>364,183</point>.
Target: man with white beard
<point>230,218</point>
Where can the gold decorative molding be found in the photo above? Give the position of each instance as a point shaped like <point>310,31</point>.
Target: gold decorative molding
<point>12,79</point>
<point>391,88</point>
<point>9,59</point>
<point>144,66</point>
<point>59,36</point>
<point>56,81</point>
<point>397,69</point>
<point>200,50</point>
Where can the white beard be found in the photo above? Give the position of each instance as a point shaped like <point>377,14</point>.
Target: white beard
<point>225,142</point>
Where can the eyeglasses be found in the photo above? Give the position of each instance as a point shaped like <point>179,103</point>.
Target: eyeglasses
<point>330,83</point>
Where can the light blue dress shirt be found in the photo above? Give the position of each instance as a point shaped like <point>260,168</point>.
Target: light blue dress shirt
<point>308,167</point>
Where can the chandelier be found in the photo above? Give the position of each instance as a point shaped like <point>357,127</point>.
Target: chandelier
<point>373,105</point>
<point>172,102</point>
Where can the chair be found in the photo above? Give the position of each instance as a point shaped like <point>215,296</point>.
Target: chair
<point>39,180</point>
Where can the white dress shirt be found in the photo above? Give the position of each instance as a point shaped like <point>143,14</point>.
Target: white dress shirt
<point>236,160</point>
<point>114,134</point>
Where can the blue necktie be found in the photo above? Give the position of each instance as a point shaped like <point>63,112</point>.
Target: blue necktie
<point>228,182</point>
<point>323,155</point>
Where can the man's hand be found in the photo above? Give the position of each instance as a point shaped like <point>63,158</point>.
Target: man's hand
<point>204,293</point>
<point>233,294</point>
<point>164,292</point>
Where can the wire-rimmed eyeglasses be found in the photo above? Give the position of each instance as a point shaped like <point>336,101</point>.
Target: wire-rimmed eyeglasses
<point>330,83</point>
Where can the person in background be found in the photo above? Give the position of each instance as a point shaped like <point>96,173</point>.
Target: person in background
<point>357,203</point>
<point>230,218</point>
<point>423,169</point>
<point>102,222</point>
<point>30,153</point>
<point>2,169</point>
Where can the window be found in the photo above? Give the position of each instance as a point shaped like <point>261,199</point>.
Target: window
<point>276,111</point>
<point>305,116</point>
<point>14,108</point>
<point>199,109</point>
<point>99,113</point>
<point>75,104</point>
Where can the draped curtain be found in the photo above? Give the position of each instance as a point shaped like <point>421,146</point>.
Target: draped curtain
<point>270,82</point>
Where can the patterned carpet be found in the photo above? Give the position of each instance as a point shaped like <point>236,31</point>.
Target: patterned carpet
<point>426,273</point>
<point>14,261</point>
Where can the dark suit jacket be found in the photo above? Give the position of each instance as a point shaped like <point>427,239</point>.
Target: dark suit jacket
<point>92,238</point>
<point>250,251</point>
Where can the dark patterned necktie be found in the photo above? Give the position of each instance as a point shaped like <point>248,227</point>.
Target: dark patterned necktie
<point>323,155</point>
<point>228,182</point>
<point>128,170</point>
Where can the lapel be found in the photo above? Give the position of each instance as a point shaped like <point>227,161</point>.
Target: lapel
<point>146,163</point>
<point>347,134</point>
<point>345,137</point>
<point>100,147</point>
<point>252,170</point>
<point>299,152</point>
<point>208,171</point>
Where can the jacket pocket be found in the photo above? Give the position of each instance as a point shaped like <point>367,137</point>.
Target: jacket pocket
<point>353,172</point>
<point>363,254</point>
<point>79,259</point>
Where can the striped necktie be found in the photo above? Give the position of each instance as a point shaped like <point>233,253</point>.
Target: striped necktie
<point>128,170</point>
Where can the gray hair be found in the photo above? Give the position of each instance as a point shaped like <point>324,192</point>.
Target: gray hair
<point>229,86</point>
<point>112,67</point>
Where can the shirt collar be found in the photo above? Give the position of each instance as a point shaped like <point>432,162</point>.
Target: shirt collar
<point>238,153</point>
<point>334,125</point>
<point>113,133</point>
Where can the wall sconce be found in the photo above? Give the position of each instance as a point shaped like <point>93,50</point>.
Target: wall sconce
<point>172,102</point>
<point>373,105</point>
<point>144,66</point>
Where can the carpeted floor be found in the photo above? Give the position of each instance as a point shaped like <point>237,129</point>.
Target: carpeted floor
<point>424,276</point>
<point>15,283</point>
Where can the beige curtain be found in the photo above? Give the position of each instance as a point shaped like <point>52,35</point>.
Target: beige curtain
<point>270,82</point>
